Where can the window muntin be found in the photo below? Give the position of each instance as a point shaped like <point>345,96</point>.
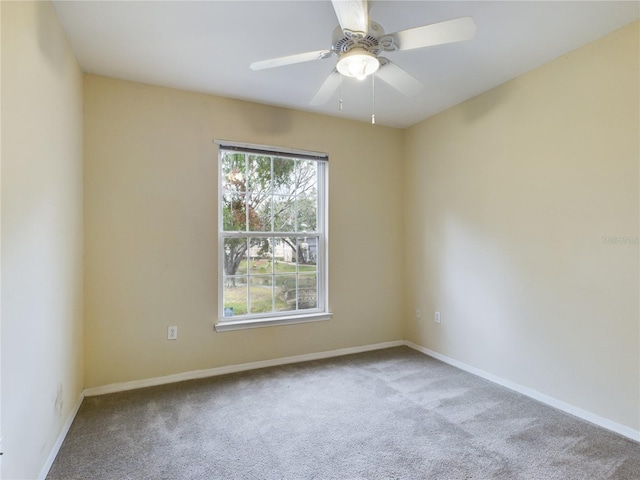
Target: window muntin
<point>272,218</point>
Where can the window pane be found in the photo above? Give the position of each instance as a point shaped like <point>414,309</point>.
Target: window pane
<point>235,296</point>
<point>234,217</point>
<point>284,213</point>
<point>306,177</point>
<point>286,291</point>
<point>307,254</point>
<point>261,294</point>
<point>259,174</point>
<point>283,173</point>
<point>235,256</point>
<point>285,255</point>
<point>307,291</point>
<point>234,172</point>
<point>260,256</point>
<point>260,213</point>
<point>307,213</point>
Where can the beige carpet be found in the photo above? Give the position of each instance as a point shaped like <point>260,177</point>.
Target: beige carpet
<point>390,414</point>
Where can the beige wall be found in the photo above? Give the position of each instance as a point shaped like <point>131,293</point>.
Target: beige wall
<point>512,198</point>
<point>41,235</point>
<point>151,238</point>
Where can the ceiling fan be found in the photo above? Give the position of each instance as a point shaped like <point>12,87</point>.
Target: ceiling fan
<point>358,43</point>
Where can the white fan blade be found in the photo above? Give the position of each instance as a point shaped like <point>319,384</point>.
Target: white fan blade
<point>291,59</point>
<point>436,34</point>
<point>353,16</point>
<point>329,86</point>
<point>396,77</point>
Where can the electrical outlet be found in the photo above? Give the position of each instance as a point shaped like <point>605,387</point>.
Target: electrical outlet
<point>418,313</point>
<point>172,333</point>
<point>436,317</point>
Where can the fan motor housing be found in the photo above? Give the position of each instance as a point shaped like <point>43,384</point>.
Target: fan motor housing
<point>343,43</point>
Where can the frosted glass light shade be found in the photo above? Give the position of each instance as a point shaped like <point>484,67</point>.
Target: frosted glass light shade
<point>358,63</point>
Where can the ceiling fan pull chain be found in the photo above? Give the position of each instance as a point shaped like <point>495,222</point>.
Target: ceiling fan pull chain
<point>340,102</point>
<point>373,99</point>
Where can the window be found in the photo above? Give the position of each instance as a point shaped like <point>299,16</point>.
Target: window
<point>272,239</point>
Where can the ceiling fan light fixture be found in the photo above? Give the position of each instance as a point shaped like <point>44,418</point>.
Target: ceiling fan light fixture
<point>358,63</point>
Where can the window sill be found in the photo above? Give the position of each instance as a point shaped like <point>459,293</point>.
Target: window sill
<point>228,325</point>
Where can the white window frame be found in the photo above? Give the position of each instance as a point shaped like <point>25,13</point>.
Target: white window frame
<point>277,318</point>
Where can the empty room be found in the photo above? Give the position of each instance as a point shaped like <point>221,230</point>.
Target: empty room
<point>320,239</point>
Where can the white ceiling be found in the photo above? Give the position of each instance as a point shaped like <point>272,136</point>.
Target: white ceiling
<point>207,47</point>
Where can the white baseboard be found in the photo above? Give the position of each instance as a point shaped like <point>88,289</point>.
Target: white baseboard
<point>541,397</point>
<point>213,372</point>
<point>63,434</point>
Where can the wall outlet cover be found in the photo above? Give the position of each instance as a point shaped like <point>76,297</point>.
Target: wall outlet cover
<point>172,333</point>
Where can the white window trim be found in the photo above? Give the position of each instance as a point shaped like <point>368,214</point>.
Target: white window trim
<point>321,313</point>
